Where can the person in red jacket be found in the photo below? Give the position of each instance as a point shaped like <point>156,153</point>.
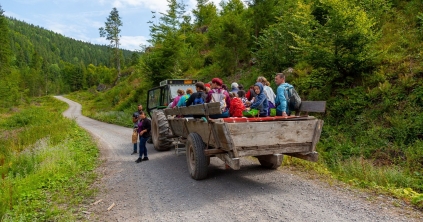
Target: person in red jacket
<point>237,106</point>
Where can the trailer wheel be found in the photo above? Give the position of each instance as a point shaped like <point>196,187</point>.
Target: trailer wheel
<point>196,160</point>
<point>270,161</point>
<point>160,131</point>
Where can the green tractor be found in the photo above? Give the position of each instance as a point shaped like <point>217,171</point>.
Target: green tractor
<point>158,99</point>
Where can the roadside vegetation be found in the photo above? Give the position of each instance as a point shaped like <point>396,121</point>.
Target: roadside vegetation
<point>46,163</point>
<point>364,57</point>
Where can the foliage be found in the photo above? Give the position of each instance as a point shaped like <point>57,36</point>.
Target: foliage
<point>363,57</point>
<point>229,37</point>
<point>112,33</point>
<point>340,37</point>
<point>5,52</point>
<point>40,62</point>
<point>274,49</point>
<point>42,171</point>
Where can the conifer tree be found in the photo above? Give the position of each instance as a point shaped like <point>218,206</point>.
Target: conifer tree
<point>5,52</point>
<point>112,33</point>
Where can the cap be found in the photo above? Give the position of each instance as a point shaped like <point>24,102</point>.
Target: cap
<point>217,81</point>
<point>207,85</point>
<point>234,85</point>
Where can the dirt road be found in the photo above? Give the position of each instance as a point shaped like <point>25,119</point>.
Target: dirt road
<point>161,189</point>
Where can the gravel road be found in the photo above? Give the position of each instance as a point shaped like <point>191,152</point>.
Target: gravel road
<point>162,190</point>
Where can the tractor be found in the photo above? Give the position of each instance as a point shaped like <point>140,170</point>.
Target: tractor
<point>159,98</point>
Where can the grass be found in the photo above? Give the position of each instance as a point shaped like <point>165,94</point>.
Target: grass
<point>95,107</point>
<point>363,174</point>
<point>45,159</point>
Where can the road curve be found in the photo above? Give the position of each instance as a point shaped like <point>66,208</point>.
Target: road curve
<point>162,190</point>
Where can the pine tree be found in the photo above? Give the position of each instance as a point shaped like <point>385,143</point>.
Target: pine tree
<point>5,51</point>
<point>112,33</point>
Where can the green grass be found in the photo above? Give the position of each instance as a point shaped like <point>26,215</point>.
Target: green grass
<point>363,174</point>
<point>45,159</point>
<point>96,107</point>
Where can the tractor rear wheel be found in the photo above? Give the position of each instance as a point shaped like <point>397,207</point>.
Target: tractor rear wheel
<point>160,131</point>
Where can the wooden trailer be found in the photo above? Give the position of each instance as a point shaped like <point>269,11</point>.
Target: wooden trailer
<point>267,138</point>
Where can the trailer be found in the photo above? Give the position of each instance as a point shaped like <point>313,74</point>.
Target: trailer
<point>229,139</point>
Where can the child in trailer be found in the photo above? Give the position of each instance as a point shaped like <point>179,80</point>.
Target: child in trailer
<point>241,95</point>
<point>237,106</point>
<point>175,102</point>
<point>184,98</point>
<point>260,100</point>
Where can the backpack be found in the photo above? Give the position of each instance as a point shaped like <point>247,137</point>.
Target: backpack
<point>184,99</point>
<point>219,97</point>
<point>237,106</point>
<point>292,98</point>
<point>199,99</point>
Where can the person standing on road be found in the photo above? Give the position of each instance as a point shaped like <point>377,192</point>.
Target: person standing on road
<point>144,130</point>
<point>136,119</point>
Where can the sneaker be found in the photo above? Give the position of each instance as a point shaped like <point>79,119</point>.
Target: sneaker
<point>145,158</point>
<point>133,153</point>
<point>138,160</point>
<point>204,119</point>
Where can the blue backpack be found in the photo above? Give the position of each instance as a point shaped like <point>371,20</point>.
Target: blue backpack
<point>199,99</point>
<point>183,101</point>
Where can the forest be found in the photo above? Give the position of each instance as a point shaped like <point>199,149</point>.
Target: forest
<point>40,62</point>
<point>364,57</point>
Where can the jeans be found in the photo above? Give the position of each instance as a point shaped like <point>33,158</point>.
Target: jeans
<point>278,113</point>
<point>143,148</point>
<point>223,115</point>
<point>135,147</point>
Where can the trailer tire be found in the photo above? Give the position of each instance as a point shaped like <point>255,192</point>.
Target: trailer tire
<point>196,159</point>
<point>160,131</point>
<point>270,161</point>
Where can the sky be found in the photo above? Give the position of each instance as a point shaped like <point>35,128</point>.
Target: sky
<point>81,19</point>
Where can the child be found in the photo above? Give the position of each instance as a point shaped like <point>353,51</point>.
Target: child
<point>237,106</point>
<point>183,100</point>
<point>260,100</point>
<point>241,95</point>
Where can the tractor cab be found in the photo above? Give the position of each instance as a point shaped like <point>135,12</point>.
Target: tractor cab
<point>160,97</point>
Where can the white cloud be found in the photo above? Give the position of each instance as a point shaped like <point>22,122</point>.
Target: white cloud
<point>133,42</point>
<point>14,15</point>
<point>126,42</point>
<point>155,5</point>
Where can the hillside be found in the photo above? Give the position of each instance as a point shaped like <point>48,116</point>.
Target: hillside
<point>41,62</point>
<point>26,39</point>
<point>362,57</point>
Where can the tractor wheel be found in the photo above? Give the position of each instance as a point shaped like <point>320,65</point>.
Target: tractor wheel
<point>160,131</point>
<point>197,161</point>
<point>271,161</point>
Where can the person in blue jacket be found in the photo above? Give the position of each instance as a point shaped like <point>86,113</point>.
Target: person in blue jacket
<point>260,101</point>
<point>282,108</point>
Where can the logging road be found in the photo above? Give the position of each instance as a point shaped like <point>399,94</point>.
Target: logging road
<point>162,190</point>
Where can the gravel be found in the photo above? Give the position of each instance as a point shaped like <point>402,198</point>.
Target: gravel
<point>162,190</point>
